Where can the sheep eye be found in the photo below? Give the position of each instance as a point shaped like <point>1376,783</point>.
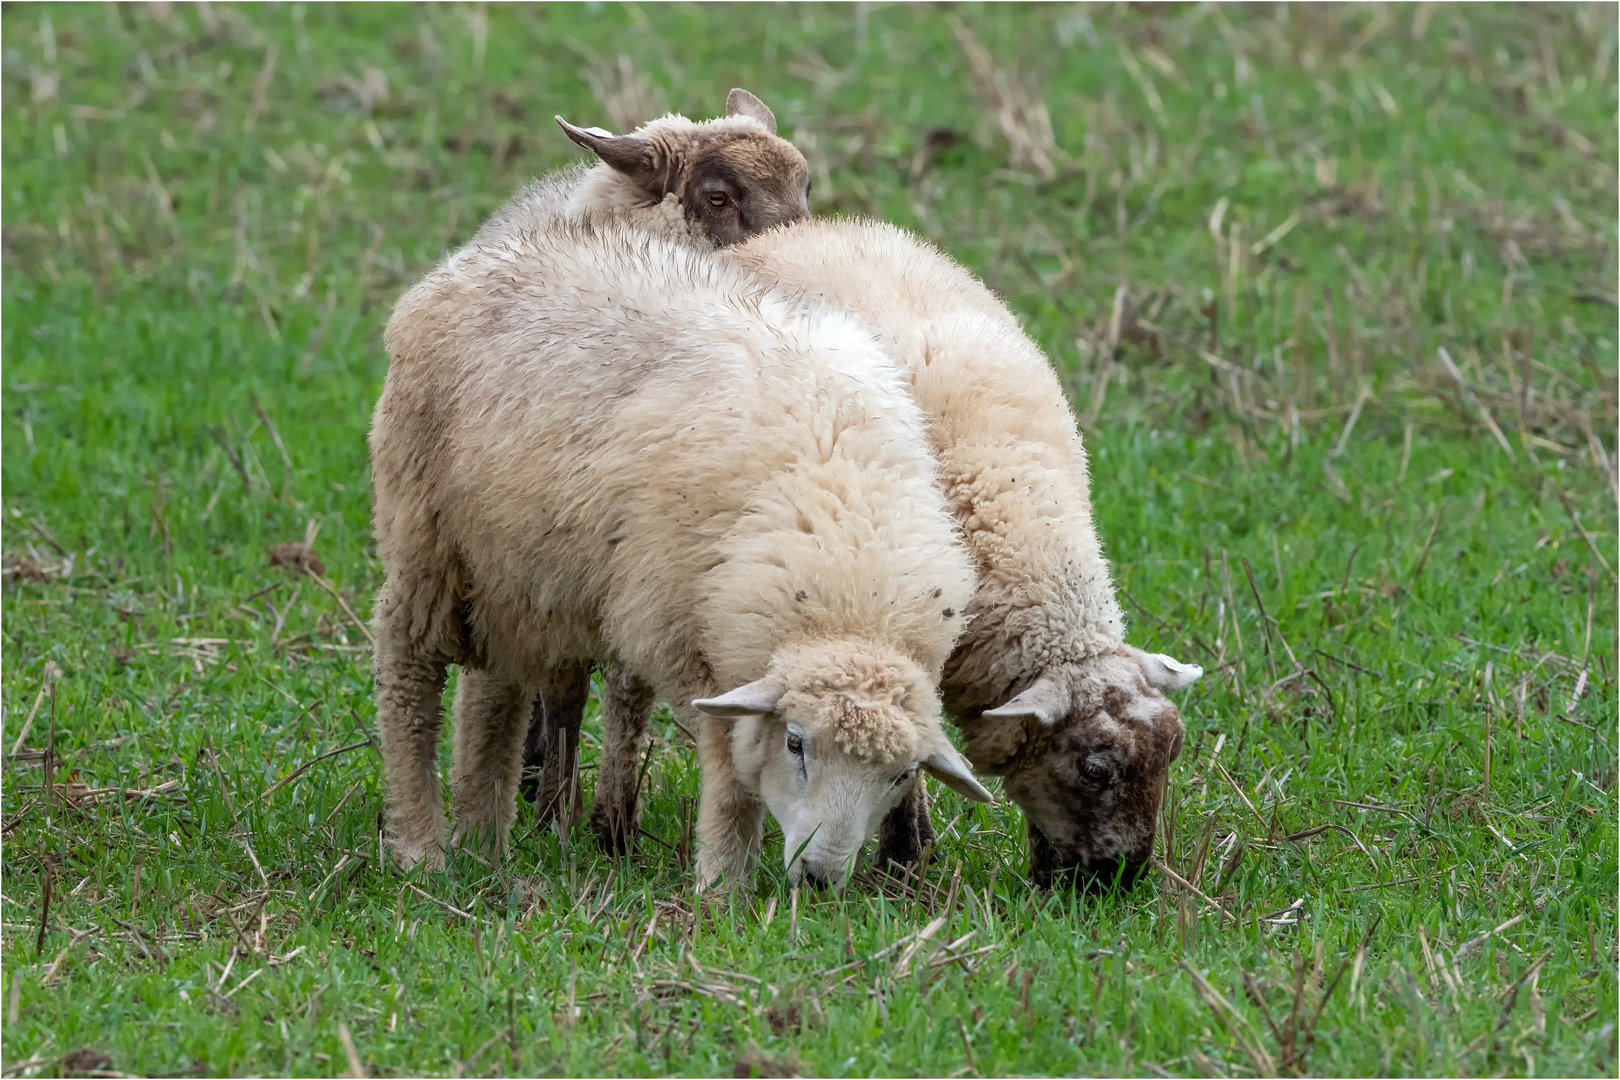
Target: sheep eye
<point>904,776</point>
<point>795,745</point>
<point>1095,771</point>
<point>718,199</point>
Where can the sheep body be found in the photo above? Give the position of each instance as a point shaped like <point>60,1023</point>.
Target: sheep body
<point>1012,462</point>
<point>1044,622</point>
<point>594,443</point>
<point>658,180</point>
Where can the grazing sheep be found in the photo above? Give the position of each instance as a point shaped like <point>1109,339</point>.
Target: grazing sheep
<point>713,182</point>
<point>595,443</point>
<point>1085,745</point>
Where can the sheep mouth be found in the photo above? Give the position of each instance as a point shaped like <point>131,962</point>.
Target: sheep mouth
<point>1052,869</point>
<point>816,880</point>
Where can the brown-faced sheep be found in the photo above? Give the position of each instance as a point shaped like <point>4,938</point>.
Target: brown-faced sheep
<point>717,181</point>
<point>594,444</point>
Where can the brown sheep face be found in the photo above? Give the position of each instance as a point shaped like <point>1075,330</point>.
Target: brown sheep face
<point>1085,751</point>
<point>732,180</point>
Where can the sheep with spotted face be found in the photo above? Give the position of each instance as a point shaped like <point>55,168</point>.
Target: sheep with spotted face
<point>1045,690</point>
<point>712,183</point>
<point>596,444</point>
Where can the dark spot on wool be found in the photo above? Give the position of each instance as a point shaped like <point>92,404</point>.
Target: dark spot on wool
<point>950,613</point>
<point>801,595</point>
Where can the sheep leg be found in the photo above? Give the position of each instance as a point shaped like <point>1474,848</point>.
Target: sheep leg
<point>558,707</point>
<point>627,704</point>
<point>731,818</point>
<point>410,683</point>
<point>906,829</point>
<point>551,750</point>
<point>491,715</point>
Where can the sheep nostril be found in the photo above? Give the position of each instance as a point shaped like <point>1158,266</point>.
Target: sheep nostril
<point>816,879</point>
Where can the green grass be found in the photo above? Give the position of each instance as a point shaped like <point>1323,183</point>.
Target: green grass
<point>1301,205</point>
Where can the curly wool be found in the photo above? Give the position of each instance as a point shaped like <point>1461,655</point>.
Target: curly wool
<point>1011,460</point>
<point>865,698</point>
<point>598,443</point>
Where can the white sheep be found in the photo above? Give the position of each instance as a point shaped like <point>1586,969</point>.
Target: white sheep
<point>1084,744</point>
<point>712,182</point>
<point>594,444</point>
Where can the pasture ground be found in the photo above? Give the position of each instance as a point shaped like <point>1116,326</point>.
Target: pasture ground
<point>1244,236</point>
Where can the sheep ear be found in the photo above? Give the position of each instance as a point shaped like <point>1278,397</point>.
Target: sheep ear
<point>631,155</point>
<point>952,770</point>
<point>757,698</point>
<point>1047,701</point>
<point>741,103</point>
<point>1167,673</point>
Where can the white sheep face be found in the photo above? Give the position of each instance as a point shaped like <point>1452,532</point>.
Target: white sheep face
<point>828,795</point>
<point>827,802</point>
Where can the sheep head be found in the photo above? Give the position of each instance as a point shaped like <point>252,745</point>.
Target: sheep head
<point>1085,751</point>
<point>732,177</point>
<point>832,738</point>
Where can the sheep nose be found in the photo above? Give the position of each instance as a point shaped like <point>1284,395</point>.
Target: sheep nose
<point>816,878</point>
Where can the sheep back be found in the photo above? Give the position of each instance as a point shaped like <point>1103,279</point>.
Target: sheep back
<point>595,441</point>
<point>1012,461</point>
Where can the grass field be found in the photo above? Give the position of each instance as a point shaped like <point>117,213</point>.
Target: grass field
<point>1334,291</point>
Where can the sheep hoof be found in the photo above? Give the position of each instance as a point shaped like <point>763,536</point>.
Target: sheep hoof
<point>616,830</point>
<point>428,857</point>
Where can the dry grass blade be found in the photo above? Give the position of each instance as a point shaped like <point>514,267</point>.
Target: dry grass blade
<point>1474,943</point>
<point>1376,807</point>
<point>330,875</point>
<point>1472,399</point>
<point>249,977</point>
<point>1350,424</point>
<point>902,966</point>
<point>451,908</point>
<point>1510,996</point>
<point>1015,107</point>
<point>261,88</point>
<point>1228,777</point>
<point>51,671</point>
<point>1334,827</point>
<point>1185,884</point>
<point>464,1067</point>
<point>1423,557</point>
<point>55,970</point>
<point>254,859</point>
<point>275,437</point>
<point>356,1069</point>
<point>646,937</point>
<point>1574,515</point>
<point>302,769</point>
<point>967,1046</point>
<point>342,603</point>
<point>1321,1003</point>
<point>33,1061</point>
<point>1234,1022</point>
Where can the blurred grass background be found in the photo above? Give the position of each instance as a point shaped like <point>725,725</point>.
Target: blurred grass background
<point>1333,288</point>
